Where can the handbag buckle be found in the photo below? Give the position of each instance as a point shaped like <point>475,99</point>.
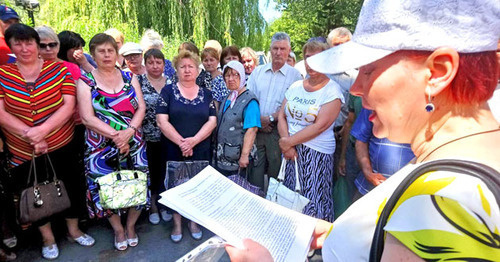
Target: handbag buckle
<point>57,183</point>
<point>38,197</point>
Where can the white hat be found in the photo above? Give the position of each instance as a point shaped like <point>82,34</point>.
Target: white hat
<point>386,26</point>
<point>130,48</point>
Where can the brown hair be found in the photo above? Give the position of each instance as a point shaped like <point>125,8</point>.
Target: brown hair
<point>229,50</point>
<point>209,52</point>
<point>189,47</point>
<point>186,54</point>
<point>314,46</point>
<point>101,39</point>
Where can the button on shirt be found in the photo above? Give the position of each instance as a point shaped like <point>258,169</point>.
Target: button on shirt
<point>270,87</point>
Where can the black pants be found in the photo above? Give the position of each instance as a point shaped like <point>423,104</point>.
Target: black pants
<point>67,168</point>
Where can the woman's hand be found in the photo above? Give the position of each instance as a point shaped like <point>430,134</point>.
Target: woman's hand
<point>290,154</point>
<point>188,143</point>
<point>320,233</point>
<point>41,147</point>
<point>244,161</point>
<point>35,134</point>
<point>285,143</point>
<point>122,137</point>
<point>187,153</point>
<point>253,252</point>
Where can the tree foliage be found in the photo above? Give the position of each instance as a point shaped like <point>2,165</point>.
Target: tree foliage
<point>228,21</point>
<point>303,19</point>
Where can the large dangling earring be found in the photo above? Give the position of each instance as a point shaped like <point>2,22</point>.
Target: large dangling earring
<point>430,106</point>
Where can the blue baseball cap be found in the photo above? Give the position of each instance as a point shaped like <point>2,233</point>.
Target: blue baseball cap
<point>7,13</point>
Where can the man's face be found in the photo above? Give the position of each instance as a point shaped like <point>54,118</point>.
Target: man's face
<point>280,51</point>
<point>4,25</point>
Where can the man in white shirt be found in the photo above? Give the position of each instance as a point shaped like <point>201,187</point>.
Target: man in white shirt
<point>269,83</point>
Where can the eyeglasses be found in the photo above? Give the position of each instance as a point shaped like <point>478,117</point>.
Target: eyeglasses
<point>132,56</point>
<point>49,45</point>
<point>228,76</point>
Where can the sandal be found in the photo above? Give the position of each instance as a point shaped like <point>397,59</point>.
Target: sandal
<point>84,240</point>
<point>50,252</point>
<point>7,256</point>
<point>195,235</point>
<point>121,246</point>
<point>10,242</point>
<point>133,241</point>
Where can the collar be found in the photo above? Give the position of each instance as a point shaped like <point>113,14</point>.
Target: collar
<point>283,69</point>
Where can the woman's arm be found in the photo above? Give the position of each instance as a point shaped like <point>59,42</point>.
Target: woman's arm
<point>168,129</point>
<point>326,116</point>
<point>57,119</point>
<point>87,112</point>
<point>248,140</point>
<point>291,153</point>
<point>10,122</point>
<point>203,133</point>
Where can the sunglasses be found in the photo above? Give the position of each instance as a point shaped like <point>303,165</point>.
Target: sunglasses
<point>50,45</point>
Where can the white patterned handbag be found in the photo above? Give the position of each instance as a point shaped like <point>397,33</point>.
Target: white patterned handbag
<point>279,193</point>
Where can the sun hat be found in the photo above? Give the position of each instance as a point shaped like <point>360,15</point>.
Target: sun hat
<point>386,26</point>
<point>130,48</point>
<point>7,13</point>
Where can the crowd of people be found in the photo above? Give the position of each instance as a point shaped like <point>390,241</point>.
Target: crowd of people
<point>357,115</point>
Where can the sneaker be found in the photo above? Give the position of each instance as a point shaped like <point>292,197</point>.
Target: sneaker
<point>165,215</point>
<point>154,218</point>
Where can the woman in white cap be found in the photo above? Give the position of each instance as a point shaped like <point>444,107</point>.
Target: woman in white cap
<point>238,120</point>
<point>427,69</point>
<point>132,52</point>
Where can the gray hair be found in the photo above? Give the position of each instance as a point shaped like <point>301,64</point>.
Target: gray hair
<point>46,32</point>
<point>338,32</point>
<point>151,39</point>
<point>281,36</point>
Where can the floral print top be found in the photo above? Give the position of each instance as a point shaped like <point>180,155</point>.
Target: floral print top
<point>218,88</point>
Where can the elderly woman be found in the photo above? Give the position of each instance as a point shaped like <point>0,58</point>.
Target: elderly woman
<point>238,121</point>
<point>43,125</point>
<point>427,86</point>
<point>112,108</point>
<point>151,85</point>
<point>204,78</point>
<point>152,39</point>
<point>71,49</point>
<point>210,60</point>
<point>249,59</point>
<point>132,52</point>
<point>182,139</point>
<point>229,53</point>
<point>305,125</point>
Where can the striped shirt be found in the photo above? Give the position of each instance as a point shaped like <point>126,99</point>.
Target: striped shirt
<point>270,87</point>
<point>34,103</point>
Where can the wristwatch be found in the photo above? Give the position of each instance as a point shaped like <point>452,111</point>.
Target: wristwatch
<point>271,118</point>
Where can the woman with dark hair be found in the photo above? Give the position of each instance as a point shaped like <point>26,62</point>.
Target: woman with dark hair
<point>210,61</point>
<point>41,125</point>
<point>427,81</point>
<point>112,108</point>
<point>71,50</point>
<point>151,85</point>
<point>229,53</point>
<point>186,117</point>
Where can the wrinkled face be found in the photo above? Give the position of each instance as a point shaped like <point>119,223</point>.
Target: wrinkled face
<point>248,63</point>
<point>280,51</point>
<point>187,71</point>
<point>25,51</point>
<point>210,63</point>
<point>133,61</point>
<point>49,49</point>
<point>154,66</point>
<point>394,89</point>
<point>309,70</point>
<point>229,58</point>
<point>105,55</point>
<point>4,25</point>
<point>232,78</point>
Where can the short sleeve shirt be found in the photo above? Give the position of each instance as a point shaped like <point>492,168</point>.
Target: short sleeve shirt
<point>251,114</point>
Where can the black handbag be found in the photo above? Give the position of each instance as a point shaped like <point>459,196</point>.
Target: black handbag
<point>487,174</point>
<point>44,199</point>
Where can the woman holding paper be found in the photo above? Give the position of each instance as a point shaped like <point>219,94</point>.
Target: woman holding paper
<point>428,82</point>
<point>186,117</point>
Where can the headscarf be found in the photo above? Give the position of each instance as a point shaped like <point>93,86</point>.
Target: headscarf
<point>241,71</point>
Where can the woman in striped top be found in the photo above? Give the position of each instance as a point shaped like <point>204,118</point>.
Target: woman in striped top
<point>37,100</point>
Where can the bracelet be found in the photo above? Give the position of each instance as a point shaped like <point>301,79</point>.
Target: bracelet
<point>133,127</point>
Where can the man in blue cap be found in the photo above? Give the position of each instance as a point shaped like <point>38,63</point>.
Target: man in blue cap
<point>7,17</point>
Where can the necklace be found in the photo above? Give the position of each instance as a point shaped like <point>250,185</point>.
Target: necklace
<point>460,138</point>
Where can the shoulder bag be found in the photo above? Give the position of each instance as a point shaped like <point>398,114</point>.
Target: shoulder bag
<point>279,193</point>
<point>123,188</point>
<point>487,174</point>
<point>42,199</point>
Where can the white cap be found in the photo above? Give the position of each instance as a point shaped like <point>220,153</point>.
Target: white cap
<point>386,26</point>
<point>130,48</point>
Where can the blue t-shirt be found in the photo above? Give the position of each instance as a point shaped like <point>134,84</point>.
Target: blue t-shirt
<point>386,157</point>
<point>251,114</point>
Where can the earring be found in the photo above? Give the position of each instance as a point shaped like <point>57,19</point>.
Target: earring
<point>430,106</point>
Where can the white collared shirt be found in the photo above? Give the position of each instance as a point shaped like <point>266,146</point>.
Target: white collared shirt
<point>270,87</point>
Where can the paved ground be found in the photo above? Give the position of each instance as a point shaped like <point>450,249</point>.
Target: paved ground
<point>154,244</point>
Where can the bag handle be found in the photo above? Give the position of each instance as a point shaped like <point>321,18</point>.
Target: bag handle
<point>32,170</point>
<point>130,163</point>
<point>297,182</point>
<point>281,174</point>
<point>52,167</point>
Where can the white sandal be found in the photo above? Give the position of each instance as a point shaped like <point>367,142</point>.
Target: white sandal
<point>121,246</point>
<point>10,242</point>
<point>50,252</point>
<point>84,240</point>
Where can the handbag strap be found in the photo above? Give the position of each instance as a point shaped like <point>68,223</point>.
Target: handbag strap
<point>281,174</point>
<point>32,170</point>
<point>488,175</point>
<point>297,182</point>
<point>130,163</point>
<point>52,167</point>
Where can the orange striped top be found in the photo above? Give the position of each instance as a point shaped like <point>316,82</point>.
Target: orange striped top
<point>33,103</point>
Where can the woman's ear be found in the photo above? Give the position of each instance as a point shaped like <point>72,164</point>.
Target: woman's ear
<point>443,66</point>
